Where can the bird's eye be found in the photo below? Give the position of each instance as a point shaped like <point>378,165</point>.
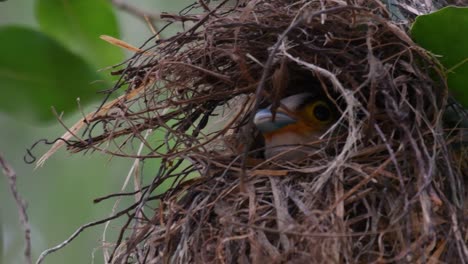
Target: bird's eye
<point>320,111</point>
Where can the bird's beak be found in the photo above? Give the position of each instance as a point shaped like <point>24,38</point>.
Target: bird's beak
<point>265,123</point>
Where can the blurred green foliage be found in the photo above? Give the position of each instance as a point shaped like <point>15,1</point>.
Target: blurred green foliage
<point>56,60</point>
<point>33,76</point>
<point>51,54</point>
<point>78,24</point>
<point>445,34</point>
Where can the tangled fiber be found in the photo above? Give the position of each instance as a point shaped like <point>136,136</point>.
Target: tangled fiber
<point>387,184</point>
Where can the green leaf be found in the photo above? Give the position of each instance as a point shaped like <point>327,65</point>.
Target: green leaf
<point>36,72</point>
<point>445,33</point>
<point>77,24</point>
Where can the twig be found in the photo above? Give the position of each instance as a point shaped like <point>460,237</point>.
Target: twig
<point>137,191</point>
<point>100,199</point>
<point>81,229</point>
<point>20,204</point>
<point>135,11</point>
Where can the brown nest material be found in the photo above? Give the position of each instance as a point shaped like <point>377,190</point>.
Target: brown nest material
<point>388,186</point>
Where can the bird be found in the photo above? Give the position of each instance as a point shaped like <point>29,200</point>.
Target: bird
<point>300,119</point>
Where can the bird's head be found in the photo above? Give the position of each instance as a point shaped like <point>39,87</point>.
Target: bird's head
<point>300,119</point>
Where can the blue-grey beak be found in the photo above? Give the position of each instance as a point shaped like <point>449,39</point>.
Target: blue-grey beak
<point>263,120</point>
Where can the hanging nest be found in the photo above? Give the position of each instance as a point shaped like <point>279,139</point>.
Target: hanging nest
<point>386,186</point>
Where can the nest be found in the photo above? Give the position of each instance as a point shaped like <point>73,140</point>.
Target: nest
<point>387,185</point>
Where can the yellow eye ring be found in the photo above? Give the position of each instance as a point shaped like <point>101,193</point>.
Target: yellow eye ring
<point>319,112</point>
